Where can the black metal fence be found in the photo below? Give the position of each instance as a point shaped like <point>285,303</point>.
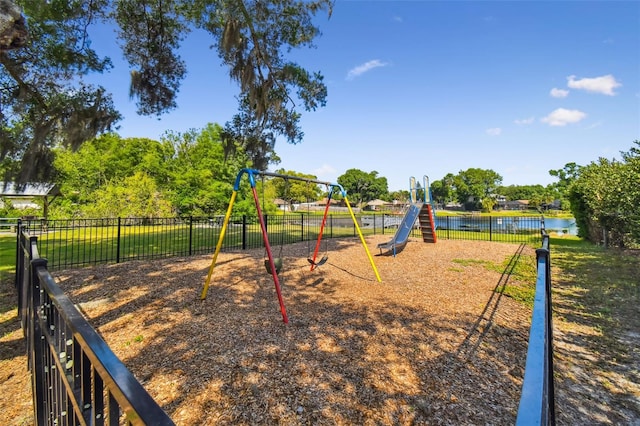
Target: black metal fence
<point>79,242</point>
<point>76,378</point>
<point>537,401</point>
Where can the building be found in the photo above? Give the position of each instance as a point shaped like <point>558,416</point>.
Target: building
<point>24,197</point>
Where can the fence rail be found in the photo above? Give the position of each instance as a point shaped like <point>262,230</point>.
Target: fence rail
<point>537,401</point>
<point>76,378</point>
<point>81,242</point>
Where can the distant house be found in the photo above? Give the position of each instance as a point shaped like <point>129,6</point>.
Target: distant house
<point>501,201</point>
<point>517,205</point>
<point>376,204</point>
<point>281,204</point>
<point>25,197</point>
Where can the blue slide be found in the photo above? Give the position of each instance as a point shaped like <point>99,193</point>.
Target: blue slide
<point>397,243</point>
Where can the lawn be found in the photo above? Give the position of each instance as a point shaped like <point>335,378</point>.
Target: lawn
<point>596,304</point>
<point>7,254</point>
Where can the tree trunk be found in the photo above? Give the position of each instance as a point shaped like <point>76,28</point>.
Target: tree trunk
<point>13,30</point>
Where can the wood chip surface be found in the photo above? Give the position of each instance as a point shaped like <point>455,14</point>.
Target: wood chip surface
<point>434,343</point>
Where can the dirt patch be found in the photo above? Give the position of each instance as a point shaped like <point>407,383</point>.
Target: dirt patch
<point>433,343</point>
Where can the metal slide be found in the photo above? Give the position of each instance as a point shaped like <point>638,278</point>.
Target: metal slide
<point>397,243</point>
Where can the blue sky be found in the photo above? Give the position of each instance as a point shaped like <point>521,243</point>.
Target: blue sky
<point>429,88</point>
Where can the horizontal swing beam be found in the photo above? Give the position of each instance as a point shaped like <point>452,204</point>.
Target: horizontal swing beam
<point>252,173</point>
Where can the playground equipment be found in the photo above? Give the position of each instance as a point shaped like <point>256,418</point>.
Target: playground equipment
<point>272,267</point>
<point>324,258</point>
<point>421,210</point>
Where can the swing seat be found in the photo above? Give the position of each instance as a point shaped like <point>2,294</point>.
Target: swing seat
<point>320,262</point>
<point>277,262</point>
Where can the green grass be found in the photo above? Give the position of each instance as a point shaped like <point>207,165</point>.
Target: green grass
<point>521,285</point>
<point>7,254</point>
<point>64,247</point>
<point>598,285</point>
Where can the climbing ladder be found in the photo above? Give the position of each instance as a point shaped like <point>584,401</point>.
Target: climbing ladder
<point>426,216</point>
<point>427,224</point>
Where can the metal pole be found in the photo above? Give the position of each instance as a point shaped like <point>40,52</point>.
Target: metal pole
<point>272,265</point>
<point>364,243</point>
<point>219,245</point>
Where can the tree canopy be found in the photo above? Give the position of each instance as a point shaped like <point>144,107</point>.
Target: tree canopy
<point>605,196</point>
<point>362,186</point>
<point>46,102</point>
<point>185,174</point>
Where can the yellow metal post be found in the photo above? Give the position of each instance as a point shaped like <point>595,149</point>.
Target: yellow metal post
<point>219,245</point>
<point>364,243</point>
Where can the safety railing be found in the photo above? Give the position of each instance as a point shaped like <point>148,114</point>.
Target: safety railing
<point>76,378</point>
<point>537,401</point>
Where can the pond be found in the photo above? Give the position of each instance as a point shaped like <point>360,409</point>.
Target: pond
<point>499,224</point>
<point>561,225</point>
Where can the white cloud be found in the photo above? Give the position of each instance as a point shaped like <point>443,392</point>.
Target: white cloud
<point>559,93</point>
<point>524,121</point>
<point>397,19</point>
<point>367,66</point>
<point>604,84</point>
<point>562,117</point>
<point>495,131</point>
<point>325,171</point>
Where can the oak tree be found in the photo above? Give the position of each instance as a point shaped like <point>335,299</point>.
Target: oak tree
<point>45,101</point>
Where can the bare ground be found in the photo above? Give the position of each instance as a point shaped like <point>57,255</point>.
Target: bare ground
<point>434,343</point>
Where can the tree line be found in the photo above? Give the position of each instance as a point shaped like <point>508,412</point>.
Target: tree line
<point>191,174</point>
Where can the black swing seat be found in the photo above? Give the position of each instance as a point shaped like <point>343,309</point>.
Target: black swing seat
<point>277,262</point>
<point>320,262</point>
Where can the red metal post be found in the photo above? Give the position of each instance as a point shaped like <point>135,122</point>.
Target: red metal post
<point>274,273</point>
<point>324,221</point>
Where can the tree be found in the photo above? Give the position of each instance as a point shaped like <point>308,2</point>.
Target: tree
<point>363,187</point>
<point>44,100</point>
<point>135,196</point>
<point>401,196</point>
<point>189,170</point>
<point>473,185</point>
<point>443,190</point>
<point>202,178</point>
<point>604,199</point>
<point>566,175</point>
<point>296,191</point>
<point>107,158</point>
<point>13,31</point>
<point>46,103</point>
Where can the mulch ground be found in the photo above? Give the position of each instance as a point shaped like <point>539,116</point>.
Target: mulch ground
<point>433,343</point>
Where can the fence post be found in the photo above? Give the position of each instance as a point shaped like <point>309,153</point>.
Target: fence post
<point>384,216</point>
<point>36,342</point>
<point>490,229</point>
<point>244,231</point>
<point>190,235</point>
<point>374,224</point>
<point>118,242</point>
<point>19,264</point>
<point>302,226</point>
<point>331,226</point>
<point>550,377</point>
<point>448,227</point>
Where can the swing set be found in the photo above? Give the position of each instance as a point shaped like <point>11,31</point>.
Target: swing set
<point>273,264</point>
